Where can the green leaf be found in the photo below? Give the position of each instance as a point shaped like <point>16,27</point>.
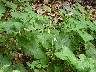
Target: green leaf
<point>21,16</point>
<point>2,9</point>
<point>3,62</point>
<point>86,64</point>
<point>10,26</point>
<point>90,50</point>
<point>45,7</point>
<point>11,5</point>
<point>83,64</point>
<point>28,9</point>
<point>91,25</point>
<point>66,54</point>
<point>86,37</point>
<point>16,71</point>
<point>36,70</point>
<point>32,65</point>
<point>19,67</point>
<point>44,60</point>
<point>75,12</point>
<point>45,39</point>
<point>80,7</point>
<point>54,66</point>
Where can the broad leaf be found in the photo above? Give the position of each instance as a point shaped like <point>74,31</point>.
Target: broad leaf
<point>86,37</point>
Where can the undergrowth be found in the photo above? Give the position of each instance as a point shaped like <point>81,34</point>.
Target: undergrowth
<point>66,46</point>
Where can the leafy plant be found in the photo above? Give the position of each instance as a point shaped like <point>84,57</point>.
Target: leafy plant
<point>69,45</point>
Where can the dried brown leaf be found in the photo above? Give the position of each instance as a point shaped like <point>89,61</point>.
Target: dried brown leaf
<point>40,11</point>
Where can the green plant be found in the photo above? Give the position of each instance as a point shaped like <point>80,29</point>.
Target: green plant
<point>69,45</point>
